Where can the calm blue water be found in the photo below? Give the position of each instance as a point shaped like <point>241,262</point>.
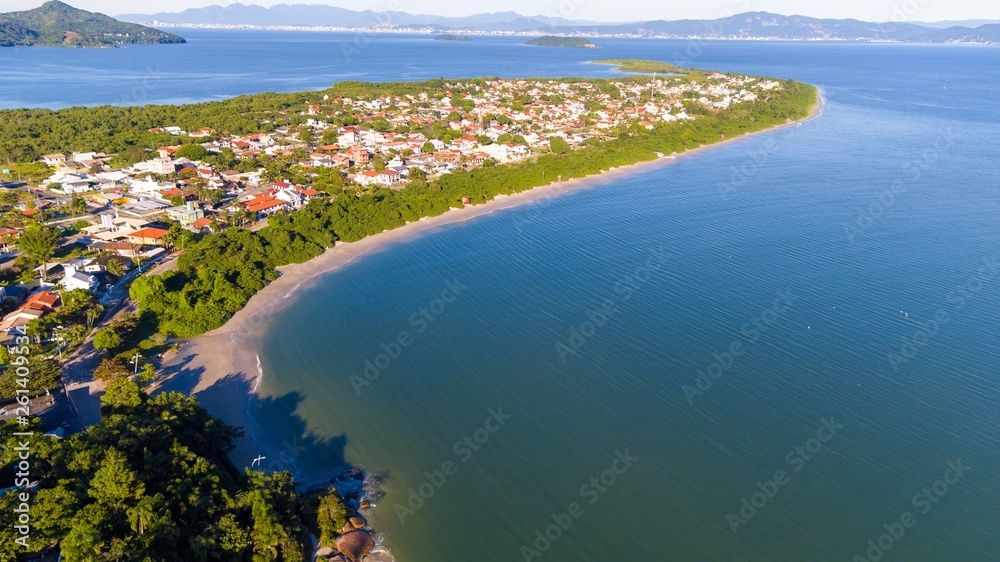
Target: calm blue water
<point>876,219</point>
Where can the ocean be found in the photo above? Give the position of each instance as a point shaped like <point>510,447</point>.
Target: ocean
<point>780,349</point>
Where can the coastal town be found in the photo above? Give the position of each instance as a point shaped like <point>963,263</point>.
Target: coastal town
<point>105,222</point>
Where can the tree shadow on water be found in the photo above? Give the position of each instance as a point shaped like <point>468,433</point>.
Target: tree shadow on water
<point>275,437</point>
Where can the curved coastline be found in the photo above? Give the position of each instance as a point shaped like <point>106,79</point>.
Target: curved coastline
<point>214,365</point>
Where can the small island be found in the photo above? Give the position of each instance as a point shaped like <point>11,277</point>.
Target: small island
<point>554,41</point>
<point>55,24</point>
<point>642,66</point>
<point>450,37</point>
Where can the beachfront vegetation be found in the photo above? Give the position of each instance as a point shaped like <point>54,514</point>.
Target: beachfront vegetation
<point>45,375</point>
<point>153,481</point>
<point>217,275</point>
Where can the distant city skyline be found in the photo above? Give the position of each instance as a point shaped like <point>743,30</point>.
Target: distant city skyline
<point>595,10</point>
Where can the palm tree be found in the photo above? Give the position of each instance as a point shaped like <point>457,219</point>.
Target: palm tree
<point>93,313</point>
<point>143,512</point>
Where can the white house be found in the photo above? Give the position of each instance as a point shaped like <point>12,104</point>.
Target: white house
<point>75,279</point>
<point>76,187</point>
<point>161,166</point>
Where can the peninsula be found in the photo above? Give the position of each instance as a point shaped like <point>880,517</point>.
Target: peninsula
<point>553,41</point>
<point>236,191</point>
<point>55,24</point>
<point>358,159</point>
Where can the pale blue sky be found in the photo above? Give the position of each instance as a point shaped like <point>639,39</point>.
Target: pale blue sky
<point>601,10</point>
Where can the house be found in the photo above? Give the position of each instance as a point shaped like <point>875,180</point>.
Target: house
<point>359,155</point>
<point>7,237</point>
<point>126,249</point>
<point>384,177</point>
<point>36,306</point>
<point>160,166</point>
<point>75,186</point>
<point>167,151</point>
<point>185,214</point>
<point>203,225</point>
<point>204,132</point>
<point>100,264</point>
<point>74,279</point>
<point>13,293</point>
<point>144,207</point>
<point>148,236</point>
<point>54,160</point>
<point>309,194</point>
<point>389,177</point>
<point>265,204</point>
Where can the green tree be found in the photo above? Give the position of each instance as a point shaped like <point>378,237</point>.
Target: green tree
<point>45,375</point>
<point>93,313</point>
<point>107,339</point>
<point>192,152</point>
<point>112,369</point>
<point>76,300</point>
<point>559,145</point>
<point>331,517</point>
<point>116,267</point>
<point>38,243</point>
<point>77,204</point>
<point>427,147</point>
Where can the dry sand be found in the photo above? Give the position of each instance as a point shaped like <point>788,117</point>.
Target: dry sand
<point>221,368</point>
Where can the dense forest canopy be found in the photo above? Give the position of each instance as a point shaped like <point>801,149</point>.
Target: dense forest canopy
<point>152,481</point>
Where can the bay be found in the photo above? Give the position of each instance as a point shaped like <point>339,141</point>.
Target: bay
<point>879,219</point>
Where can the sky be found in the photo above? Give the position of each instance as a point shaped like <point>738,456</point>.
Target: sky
<point>597,10</point>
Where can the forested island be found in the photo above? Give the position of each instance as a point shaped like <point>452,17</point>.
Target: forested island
<point>450,37</point>
<point>553,41</point>
<point>55,24</point>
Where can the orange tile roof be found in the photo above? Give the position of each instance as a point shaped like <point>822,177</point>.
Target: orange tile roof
<point>149,232</point>
<point>265,206</point>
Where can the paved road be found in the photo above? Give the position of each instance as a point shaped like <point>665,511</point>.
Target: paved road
<point>78,369</point>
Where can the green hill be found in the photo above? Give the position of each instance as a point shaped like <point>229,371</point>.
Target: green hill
<point>59,24</point>
<point>552,41</point>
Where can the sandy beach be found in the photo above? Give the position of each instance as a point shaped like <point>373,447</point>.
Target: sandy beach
<point>221,367</point>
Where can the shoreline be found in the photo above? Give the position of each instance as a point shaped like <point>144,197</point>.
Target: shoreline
<point>214,365</point>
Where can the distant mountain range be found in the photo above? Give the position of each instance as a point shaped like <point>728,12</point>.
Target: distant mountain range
<point>58,24</point>
<point>319,16</point>
<point>764,25</point>
<point>751,25</point>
